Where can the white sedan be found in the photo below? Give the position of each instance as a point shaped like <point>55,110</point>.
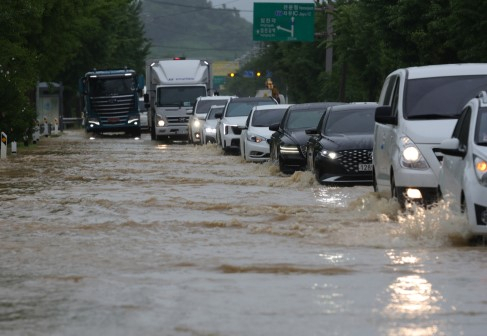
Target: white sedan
<point>209,125</point>
<point>463,174</point>
<point>253,139</point>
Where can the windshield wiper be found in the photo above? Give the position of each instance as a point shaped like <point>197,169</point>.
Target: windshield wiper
<point>432,116</point>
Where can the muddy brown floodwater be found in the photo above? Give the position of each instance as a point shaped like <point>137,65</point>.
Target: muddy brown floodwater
<point>117,236</point>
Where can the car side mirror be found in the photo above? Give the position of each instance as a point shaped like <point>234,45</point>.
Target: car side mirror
<point>451,147</point>
<point>274,127</point>
<point>311,131</point>
<point>383,115</point>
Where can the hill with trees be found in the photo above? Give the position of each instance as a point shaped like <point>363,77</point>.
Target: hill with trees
<point>194,29</point>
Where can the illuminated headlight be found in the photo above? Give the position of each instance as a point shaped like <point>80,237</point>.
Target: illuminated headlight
<point>289,149</point>
<point>160,121</point>
<point>411,157</point>
<point>480,170</point>
<point>196,123</point>
<point>210,130</point>
<point>133,120</point>
<point>329,154</point>
<point>255,138</point>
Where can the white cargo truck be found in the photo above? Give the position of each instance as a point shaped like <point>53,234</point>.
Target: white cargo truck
<point>172,88</point>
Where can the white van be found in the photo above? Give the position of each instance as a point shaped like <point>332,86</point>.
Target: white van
<point>418,108</point>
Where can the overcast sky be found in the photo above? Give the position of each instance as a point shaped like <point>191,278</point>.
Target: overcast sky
<point>246,7</point>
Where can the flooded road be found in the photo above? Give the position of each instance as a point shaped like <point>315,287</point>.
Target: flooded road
<point>116,236</point>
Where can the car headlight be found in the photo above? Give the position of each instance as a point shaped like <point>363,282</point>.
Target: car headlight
<point>196,123</point>
<point>289,149</point>
<point>329,154</point>
<point>480,170</point>
<point>160,121</point>
<point>255,138</point>
<point>411,156</point>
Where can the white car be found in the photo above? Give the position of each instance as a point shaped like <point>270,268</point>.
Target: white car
<point>463,175</point>
<point>419,107</point>
<point>209,125</point>
<point>200,110</point>
<point>253,139</point>
<point>235,115</point>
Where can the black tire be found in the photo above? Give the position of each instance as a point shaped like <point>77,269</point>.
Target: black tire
<point>374,181</point>
<point>397,194</point>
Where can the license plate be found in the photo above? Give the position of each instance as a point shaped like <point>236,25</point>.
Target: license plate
<point>365,166</point>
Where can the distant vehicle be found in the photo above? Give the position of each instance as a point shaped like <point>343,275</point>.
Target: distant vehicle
<point>419,107</point>
<point>339,150</point>
<point>462,177</point>
<point>253,139</point>
<point>198,115</point>
<point>144,123</point>
<point>172,88</point>
<point>209,125</point>
<point>234,115</point>
<point>288,142</point>
<point>110,99</point>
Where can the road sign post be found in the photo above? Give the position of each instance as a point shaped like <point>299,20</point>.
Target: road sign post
<point>283,22</point>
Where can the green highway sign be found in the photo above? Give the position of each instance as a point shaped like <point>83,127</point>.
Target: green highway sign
<point>284,21</point>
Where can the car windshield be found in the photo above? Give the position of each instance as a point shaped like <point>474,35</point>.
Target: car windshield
<point>441,97</point>
<point>112,86</point>
<point>265,118</point>
<point>214,111</point>
<point>481,131</point>
<point>350,122</point>
<point>299,119</point>
<point>242,109</point>
<point>203,106</point>
<point>179,96</point>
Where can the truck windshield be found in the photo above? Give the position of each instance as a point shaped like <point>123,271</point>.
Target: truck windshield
<point>179,96</point>
<point>111,86</point>
<point>441,97</point>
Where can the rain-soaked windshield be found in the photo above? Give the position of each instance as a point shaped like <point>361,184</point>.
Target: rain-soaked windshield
<point>265,118</point>
<point>441,97</point>
<point>350,122</point>
<point>100,87</point>
<point>300,119</point>
<point>179,96</point>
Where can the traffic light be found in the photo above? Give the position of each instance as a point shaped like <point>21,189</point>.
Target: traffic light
<point>258,74</point>
<point>232,74</point>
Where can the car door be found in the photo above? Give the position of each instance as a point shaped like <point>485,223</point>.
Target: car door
<point>384,134</point>
<point>454,166</point>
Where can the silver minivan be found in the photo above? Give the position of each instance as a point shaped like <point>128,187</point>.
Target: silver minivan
<point>418,108</point>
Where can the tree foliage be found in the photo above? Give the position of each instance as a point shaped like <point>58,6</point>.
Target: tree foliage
<point>370,39</point>
<point>57,40</point>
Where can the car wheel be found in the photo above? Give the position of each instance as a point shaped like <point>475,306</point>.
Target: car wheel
<point>273,158</point>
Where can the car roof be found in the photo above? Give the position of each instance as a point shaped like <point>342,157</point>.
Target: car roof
<point>445,70</point>
<point>251,99</point>
<point>353,106</point>
<point>307,106</point>
<point>271,107</point>
<point>215,97</point>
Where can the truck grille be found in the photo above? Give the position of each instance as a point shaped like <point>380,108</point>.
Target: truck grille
<point>113,109</point>
<point>178,120</point>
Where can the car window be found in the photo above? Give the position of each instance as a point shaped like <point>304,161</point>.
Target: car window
<point>350,122</point>
<point>203,106</point>
<point>440,97</point>
<point>265,118</point>
<point>481,129</point>
<point>465,128</point>
<point>242,109</point>
<point>214,111</point>
<point>303,118</point>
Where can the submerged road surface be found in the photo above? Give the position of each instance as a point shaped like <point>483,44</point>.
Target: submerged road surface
<point>116,236</point>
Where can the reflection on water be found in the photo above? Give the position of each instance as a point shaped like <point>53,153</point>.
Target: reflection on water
<point>412,301</point>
